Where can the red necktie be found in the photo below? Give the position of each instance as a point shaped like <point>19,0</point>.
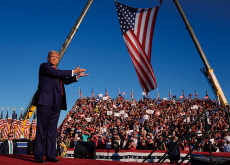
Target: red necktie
<point>59,81</point>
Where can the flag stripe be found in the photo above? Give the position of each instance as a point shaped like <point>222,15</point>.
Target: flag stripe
<point>140,62</point>
<point>137,22</point>
<point>142,72</point>
<point>145,33</point>
<point>143,85</point>
<point>150,31</point>
<point>5,130</point>
<point>145,21</point>
<point>137,50</point>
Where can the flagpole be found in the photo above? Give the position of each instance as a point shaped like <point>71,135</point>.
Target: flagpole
<point>92,94</point>
<point>209,73</point>
<point>158,95</point>
<point>132,95</point>
<point>79,92</point>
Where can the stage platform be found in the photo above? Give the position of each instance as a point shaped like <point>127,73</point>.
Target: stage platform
<point>104,157</point>
<point>28,160</point>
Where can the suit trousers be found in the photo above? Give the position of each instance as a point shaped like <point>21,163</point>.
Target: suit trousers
<point>46,132</point>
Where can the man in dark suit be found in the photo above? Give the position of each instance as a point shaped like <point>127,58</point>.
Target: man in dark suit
<point>30,146</point>
<point>9,146</point>
<point>50,99</point>
<point>174,157</point>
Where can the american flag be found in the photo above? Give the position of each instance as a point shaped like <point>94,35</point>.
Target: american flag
<point>19,129</point>
<point>80,92</point>
<point>132,94</point>
<point>170,94</point>
<point>206,95</point>
<point>27,129</point>
<point>14,121</point>
<point>6,127</point>
<point>106,93</point>
<point>1,120</point>
<point>13,125</point>
<point>137,26</point>
<point>196,94</point>
<point>1,123</point>
<point>34,126</point>
<point>183,94</point>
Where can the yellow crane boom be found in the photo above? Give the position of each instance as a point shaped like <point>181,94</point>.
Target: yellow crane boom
<point>209,71</point>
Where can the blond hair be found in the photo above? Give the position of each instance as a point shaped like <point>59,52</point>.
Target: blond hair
<point>52,52</point>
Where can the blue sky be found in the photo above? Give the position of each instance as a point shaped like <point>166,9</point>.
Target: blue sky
<point>31,28</point>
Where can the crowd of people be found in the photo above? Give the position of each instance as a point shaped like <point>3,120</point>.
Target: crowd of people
<point>146,124</point>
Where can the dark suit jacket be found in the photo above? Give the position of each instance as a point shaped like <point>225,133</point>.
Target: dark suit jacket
<point>49,87</point>
<point>176,150</point>
<point>4,149</point>
<point>30,147</point>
